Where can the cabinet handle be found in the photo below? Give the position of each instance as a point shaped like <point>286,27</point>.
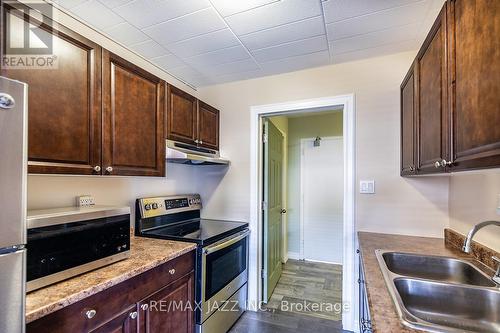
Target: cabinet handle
<point>437,164</point>
<point>97,168</point>
<point>445,163</point>
<point>171,271</point>
<point>144,307</point>
<point>133,315</point>
<point>109,169</point>
<point>90,313</point>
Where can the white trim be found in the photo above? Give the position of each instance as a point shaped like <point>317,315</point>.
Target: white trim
<point>324,262</point>
<point>349,273</point>
<point>301,204</point>
<point>294,255</point>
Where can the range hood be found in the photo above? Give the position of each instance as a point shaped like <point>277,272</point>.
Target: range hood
<point>183,153</point>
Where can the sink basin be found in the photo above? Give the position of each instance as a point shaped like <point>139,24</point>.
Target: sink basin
<point>440,294</point>
<point>448,307</point>
<point>436,268</point>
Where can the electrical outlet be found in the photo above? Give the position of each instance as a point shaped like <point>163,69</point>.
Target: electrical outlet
<point>367,187</point>
<point>85,201</point>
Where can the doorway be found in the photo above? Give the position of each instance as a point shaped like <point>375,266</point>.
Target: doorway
<point>258,115</point>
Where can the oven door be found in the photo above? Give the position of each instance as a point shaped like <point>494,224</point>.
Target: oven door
<point>224,271</point>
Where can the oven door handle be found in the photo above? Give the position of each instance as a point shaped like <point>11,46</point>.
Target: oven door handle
<point>224,244</point>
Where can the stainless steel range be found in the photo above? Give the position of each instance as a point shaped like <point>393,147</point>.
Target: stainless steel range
<point>221,259</point>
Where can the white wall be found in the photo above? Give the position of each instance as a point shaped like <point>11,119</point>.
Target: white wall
<point>474,198</point>
<point>402,206</point>
<point>329,124</point>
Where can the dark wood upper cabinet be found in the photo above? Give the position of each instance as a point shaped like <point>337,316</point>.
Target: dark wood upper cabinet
<point>191,121</point>
<point>432,110</point>
<point>168,310</point>
<point>408,124</point>
<point>457,92</point>
<point>133,119</point>
<point>475,91</point>
<point>181,119</point>
<point>208,126</point>
<point>64,132</point>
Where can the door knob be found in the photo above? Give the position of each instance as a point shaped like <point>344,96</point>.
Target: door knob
<point>283,211</point>
<point>109,169</point>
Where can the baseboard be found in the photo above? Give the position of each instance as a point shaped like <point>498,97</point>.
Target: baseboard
<point>294,255</point>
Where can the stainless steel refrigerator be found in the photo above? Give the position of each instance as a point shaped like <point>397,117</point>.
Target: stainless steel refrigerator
<point>13,174</point>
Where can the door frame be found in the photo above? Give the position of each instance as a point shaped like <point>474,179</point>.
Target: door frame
<point>301,207</point>
<point>349,280</point>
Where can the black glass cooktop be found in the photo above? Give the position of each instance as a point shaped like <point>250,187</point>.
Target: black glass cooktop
<point>200,231</point>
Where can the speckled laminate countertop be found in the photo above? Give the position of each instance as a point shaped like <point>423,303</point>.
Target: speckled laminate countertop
<point>145,254</point>
<point>384,317</point>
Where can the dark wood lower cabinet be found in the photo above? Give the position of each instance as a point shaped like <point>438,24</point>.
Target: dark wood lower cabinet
<point>167,310</point>
<point>167,290</point>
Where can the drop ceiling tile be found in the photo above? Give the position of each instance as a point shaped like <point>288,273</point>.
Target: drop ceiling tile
<point>188,74</point>
<point>69,4</point>
<point>217,57</point>
<point>126,33</point>
<point>187,26</point>
<point>336,10</point>
<point>229,68</point>
<point>149,49</point>
<point>204,43</point>
<point>380,20</point>
<point>230,7</point>
<point>295,48</point>
<point>168,61</point>
<point>114,3</point>
<point>374,39</point>
<point>96,14</point>
<point>272,15</point>
<point>316,59</point>
<point>284,33</point>
<point>144,13</point>
<point>375,51</point>
<point>238,76</point>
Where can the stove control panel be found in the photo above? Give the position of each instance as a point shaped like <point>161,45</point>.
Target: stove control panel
<point>157,206</point>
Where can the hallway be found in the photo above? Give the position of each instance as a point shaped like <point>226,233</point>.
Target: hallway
<point>302,287</point>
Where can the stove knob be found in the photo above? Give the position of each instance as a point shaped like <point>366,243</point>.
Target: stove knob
<point>155,205</point>
<point>147,206</point>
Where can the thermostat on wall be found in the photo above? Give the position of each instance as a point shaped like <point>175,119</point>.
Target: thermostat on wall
<point>367,187</point>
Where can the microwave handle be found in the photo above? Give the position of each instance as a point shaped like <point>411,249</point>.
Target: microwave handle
<point>224,244</point>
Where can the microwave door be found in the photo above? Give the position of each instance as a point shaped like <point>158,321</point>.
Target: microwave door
<point>13,163</point>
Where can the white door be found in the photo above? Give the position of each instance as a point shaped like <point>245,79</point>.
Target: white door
<point>322,183</point>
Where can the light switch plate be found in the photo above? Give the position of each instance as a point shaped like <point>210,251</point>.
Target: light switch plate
<point>367,187</point>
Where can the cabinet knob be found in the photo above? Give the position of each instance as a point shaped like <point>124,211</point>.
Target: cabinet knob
<point>412,168</point>
<point>197,141</point>
<point>97,168</point>
<point>201,142</point>
<point>133,315</point>
<point>445,163</point>
<point>144,307</point>
<point>171,271</point>
<point>109,169</point>
<point>90,313</point>
<point>437,164</point>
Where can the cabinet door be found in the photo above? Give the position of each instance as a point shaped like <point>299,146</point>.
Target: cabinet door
<point>475,73</point>
<point>432,110</point>
<point>208,126</point>
<point>133,118</point>
<point>181,119</point>
<point>408,124</point>
<point>64,132</point>
<point>170,310</point>
<point>125,322</point>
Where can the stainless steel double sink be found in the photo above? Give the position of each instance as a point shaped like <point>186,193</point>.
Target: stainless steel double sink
<point>441,294</point>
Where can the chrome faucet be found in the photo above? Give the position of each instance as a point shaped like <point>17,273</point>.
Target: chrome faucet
<point>467,244</point>
<point>468,241</point>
